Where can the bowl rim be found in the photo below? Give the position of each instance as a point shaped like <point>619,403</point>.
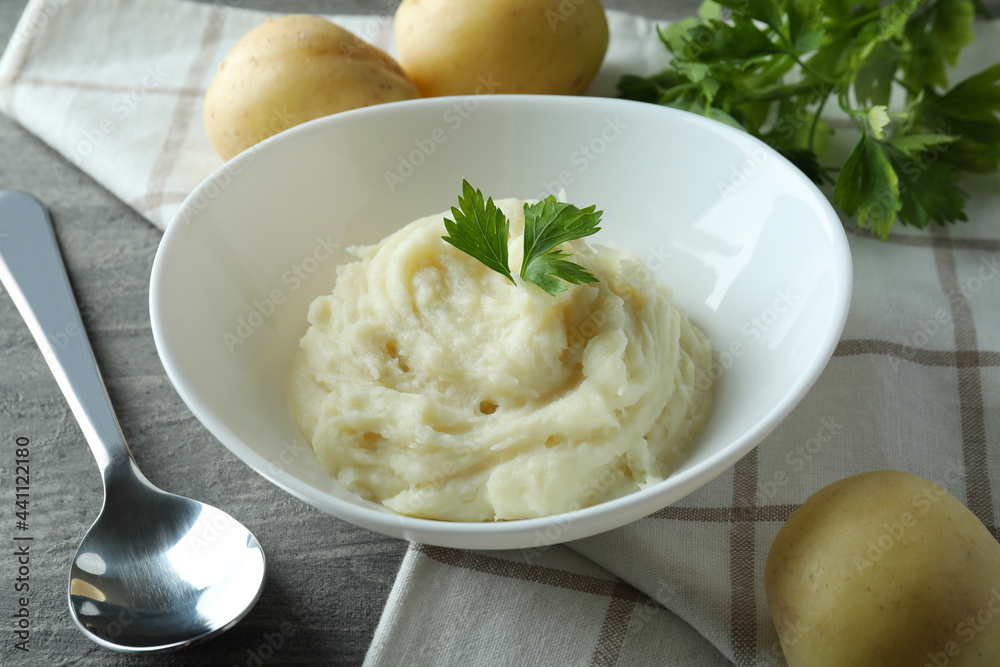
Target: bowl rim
<point>477,534</point>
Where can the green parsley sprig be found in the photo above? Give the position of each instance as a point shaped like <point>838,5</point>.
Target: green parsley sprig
<point>774,65</point>
<point>481,230</point>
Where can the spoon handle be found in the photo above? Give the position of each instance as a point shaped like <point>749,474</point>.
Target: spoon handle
<point>32,270</point>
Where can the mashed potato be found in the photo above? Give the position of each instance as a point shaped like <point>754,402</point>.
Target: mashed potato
<point>428,383</point>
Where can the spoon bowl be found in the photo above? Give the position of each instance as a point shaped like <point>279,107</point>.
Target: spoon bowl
<point>156,571</point>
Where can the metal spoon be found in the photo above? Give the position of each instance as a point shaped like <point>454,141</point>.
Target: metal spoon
<point>156,571</point>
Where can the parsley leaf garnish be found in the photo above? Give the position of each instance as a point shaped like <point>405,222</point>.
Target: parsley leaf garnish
<point>548,224</point>
<point>481,230</point>
<point>773,67</point>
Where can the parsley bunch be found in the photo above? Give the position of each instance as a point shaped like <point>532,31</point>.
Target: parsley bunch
<point>772,68</point>
<point>481,230</point>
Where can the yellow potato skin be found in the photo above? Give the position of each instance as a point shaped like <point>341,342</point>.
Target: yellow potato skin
<point>293,69</point>
<point>501,46</point>
<point>882,569</point>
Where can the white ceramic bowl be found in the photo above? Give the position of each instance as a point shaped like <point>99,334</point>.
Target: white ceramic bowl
<point>753,250</point>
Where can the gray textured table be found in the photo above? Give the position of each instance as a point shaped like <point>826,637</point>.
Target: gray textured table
<point>328,579</point>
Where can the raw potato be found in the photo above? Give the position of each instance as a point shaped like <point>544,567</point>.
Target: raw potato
<point>885,568</point>
<point>501,46</point>
<point>293,69</point>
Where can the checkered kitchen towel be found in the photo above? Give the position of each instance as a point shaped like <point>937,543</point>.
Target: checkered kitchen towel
<point>914,384</point>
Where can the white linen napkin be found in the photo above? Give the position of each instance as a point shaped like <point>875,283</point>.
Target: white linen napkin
<point>914,385</point>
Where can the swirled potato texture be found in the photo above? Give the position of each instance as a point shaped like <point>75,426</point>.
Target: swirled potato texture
<point>429,383</point>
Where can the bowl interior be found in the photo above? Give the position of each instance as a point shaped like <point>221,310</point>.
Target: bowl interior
<point>752,250</point>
